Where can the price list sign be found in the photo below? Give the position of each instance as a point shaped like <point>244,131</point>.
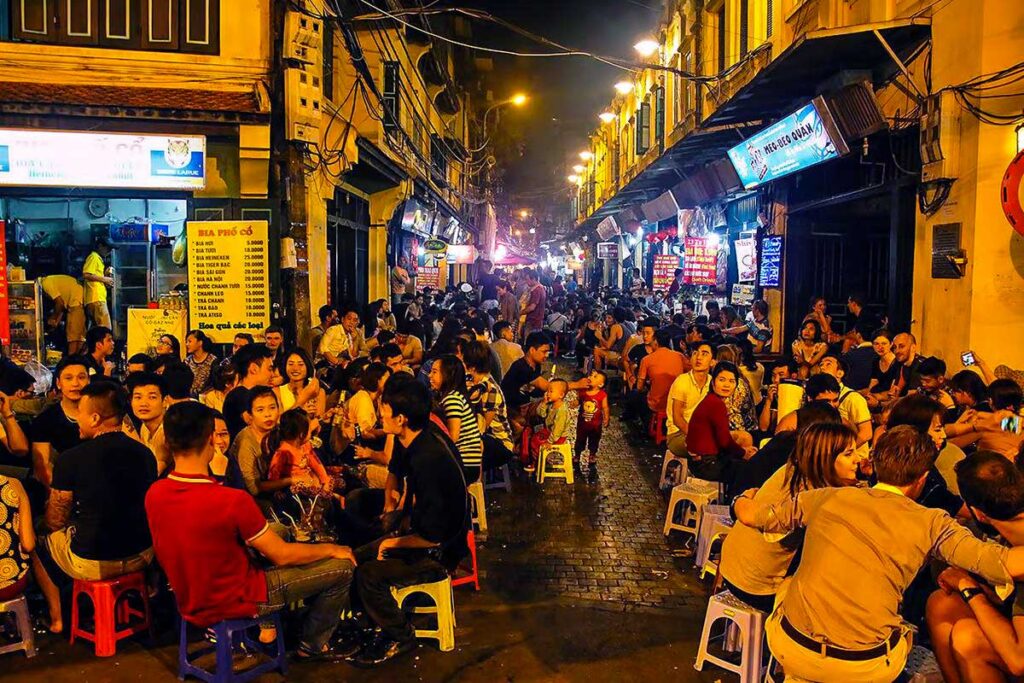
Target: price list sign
<point>664,271</point>
<point>700,265</point>
<point>228,278</point>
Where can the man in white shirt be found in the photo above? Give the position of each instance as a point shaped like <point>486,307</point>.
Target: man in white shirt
<point>853,407</point>
<point>686,392</point>
<point>506,348</point>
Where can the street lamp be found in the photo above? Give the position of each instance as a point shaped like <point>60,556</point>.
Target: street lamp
<point>524,213</point>
<point>646,47</point>
<point>517,100</point>
<point>606,117</point>
<point>623,87</point>
<point>586,155</point>
<point>573,178</point>
<point>579,168</point>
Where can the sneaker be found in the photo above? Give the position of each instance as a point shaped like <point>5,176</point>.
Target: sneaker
<point>305,654</point>
<point>349,638</point>
<point>380,650</point>
<point>592,472</point>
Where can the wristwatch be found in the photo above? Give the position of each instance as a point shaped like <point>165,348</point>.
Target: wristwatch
<point>970,592</point>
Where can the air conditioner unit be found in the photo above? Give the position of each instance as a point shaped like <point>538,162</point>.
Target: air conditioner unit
<point>303,38</point>
<point>303,95</point>
<point>940,138</point>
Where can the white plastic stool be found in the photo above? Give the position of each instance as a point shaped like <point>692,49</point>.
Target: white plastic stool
<point>500,478</point>
<point>19,606</point>
<point>476,492</point>
<point>444,607</point>
<point>750,623</point>
<point>922,667</point>
<point>694,495</point>
<point>681,474</point>
<point>715,524</point>
<point>563,471</point>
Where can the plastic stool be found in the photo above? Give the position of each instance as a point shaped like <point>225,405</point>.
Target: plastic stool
<point>502,482</point>
<point>110,618</point>
<point>227,633</point>
<point>715,524</point>
<point>563,471</point>
<point>750,623</point>
<point>19,606</point>
<point>656,428</point>
<point>476,492</point>
<point>474,576</point>
<point>681,475</point>
<point>922,667</point>
<point>444,607</point>
<point>693,495</point>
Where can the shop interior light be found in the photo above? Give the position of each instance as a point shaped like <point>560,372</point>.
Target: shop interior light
<point>500,252</point>
<point>533,231</point>
<point>646,47</point>
<point>623,87</point>
<point>586,155</point>
<point>606,117</point>
<point>579,168</point>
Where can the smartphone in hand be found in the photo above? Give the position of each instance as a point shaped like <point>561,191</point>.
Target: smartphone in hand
<point>968,358</point>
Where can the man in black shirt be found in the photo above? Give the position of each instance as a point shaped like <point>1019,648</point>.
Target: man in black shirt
<point>55,430</point>
<point>104,480</point>
<point>255,367</point>
<point>436,515</point>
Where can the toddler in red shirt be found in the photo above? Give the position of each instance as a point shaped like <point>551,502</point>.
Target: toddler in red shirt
<point>593,418</point>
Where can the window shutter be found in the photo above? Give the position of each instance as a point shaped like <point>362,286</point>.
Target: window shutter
<point>744,27</point>
<point>78,22</point>
<point>391,98</point>
<point>769,12</point>
<point>643,128</point>
<point>722,39</point>
<point>200,26</point>
<point>120,24</point>
<point>34,19</point>
<point>659,115</point>
<point>160,25</point>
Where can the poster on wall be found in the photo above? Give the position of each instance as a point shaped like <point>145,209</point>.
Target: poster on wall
<point>746,259</point>
<point>147,325</point>
<point>229,278</point>
<point>428,276</point>
<point>664,271</point>
<point>5,313</point>
<point>700,266</point>
<point>771,261</point>
<point>608,250</point>
<point>742,295</point>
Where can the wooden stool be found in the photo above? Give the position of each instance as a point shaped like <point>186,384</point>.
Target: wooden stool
<point>444,607</point>
<point>563,471</point>
<point>110,619</point>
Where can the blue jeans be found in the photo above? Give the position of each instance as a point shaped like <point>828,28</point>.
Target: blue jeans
<point>328,580</point>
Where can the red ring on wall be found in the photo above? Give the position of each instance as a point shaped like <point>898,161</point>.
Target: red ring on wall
<point>1010,193</point>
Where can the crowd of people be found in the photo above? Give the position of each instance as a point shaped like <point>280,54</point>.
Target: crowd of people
<point>334,471</point>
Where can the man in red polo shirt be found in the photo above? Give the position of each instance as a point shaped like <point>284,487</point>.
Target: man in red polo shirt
<point>201,535</point>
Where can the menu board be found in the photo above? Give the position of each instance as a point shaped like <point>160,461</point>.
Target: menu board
<point>229,278</point>
<point>428,276</point>
<point>700,266</point>
<point>664,271</point>
<point>608,250</point>
<point>771,261</point>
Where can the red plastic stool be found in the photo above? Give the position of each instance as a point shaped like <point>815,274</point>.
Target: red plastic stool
<point>111,618</point>
<point>474,576</point>
<point>656,428</point>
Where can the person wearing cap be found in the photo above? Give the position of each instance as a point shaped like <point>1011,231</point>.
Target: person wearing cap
<point>67,296</point>
<point>96,283</point>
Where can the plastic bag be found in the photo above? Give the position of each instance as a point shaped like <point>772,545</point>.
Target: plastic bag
<point>42,376</point>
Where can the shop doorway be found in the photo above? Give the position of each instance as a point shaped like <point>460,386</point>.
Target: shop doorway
<point>348,220</point>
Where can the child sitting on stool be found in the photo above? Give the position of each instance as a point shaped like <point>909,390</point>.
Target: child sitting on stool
<point>555,414</point>
<point>593,418</point>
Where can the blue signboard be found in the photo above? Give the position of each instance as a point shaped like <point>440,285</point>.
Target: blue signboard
<point>771,262</point>
<point>802,139</point>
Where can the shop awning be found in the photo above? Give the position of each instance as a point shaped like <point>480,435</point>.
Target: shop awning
<point>129,102</point>
<point>796,76</point>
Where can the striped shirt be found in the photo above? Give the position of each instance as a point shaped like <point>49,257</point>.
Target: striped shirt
<point>470,445</point>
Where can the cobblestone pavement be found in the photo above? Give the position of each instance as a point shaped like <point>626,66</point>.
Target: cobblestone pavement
<point>578,584</point>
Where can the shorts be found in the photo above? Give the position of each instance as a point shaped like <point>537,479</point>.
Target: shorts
<point>587,440</point>
<point>75,324</point>
<point>63,566</point>
<point>98,313</point>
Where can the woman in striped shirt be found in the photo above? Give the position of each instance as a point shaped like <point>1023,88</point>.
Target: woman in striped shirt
<point>448,380</point>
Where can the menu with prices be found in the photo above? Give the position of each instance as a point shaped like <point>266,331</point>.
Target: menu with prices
<point>428,276</point>
<point>700,266</point>
<point>228,278</point>
<point>664,271</point>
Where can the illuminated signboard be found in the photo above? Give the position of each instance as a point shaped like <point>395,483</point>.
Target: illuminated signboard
<point>44,158</point>
<point>771,261</point>
<point>802,139</point>
<point>608,250</point>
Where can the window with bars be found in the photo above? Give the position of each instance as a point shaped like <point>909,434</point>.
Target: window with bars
<point>391,98</point>
<point>769,11</point>
<point>164,25</point>
<point>438,160</point>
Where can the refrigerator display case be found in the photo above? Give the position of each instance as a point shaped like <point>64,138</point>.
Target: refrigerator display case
<point>26,316</point>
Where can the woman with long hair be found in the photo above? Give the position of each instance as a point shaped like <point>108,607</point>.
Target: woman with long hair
<point>709,440</point>
<point>200,360</point>
<point>809,348</point>
<point>885,371</point>
<point>448,380</point>
<point>301,388</point>
<point>168,345</point>
<point>741,404</point>
<point>752,567</point>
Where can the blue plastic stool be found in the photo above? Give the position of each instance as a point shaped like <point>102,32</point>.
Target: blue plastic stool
<point>226,632</point>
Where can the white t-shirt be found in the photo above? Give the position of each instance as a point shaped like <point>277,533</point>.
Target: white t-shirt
<point>335,341</point>
<point>361,411</point>
<point>853,408</point>
<point>686,390</point>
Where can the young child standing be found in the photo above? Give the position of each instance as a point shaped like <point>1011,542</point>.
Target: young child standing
<point>593,418</point>
<point>555,413</point>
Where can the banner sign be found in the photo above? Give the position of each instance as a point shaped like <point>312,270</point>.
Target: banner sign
<point>428,276</point>
<point>746,259</point>
<point>742,295</point>
<point>464,254</point>
<point>700,266</point>
<point>47,158</point>
<point>435,246</point>
<point>771,261</point>
<point>147,325</point>
<point>608,250</point>
<point>806,137</point>
<point>229,278</point>
<point>664,271</point>
<point>5,302</point>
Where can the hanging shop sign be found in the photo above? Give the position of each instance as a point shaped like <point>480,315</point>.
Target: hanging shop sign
<point>806,137</point>
<point>464,254</point>
<point>746,259</point>
<point>147,325</point>
<point>48,158</point>
<point>608,250</point>
<point>417,218</point>
<point>428,276</point>
<point>700,265</point>
<point>435,246</point>
<point>664,271</point>
<point>1010,193</point>
<point>771,261</point>
<point>5,311</point>
<point>229,278</point>
<point>742,295</point>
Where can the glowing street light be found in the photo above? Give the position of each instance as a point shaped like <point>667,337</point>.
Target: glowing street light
<point>623,87</point>
<point>533,231</point>
<point>579,168</point>
<point>586,155</point>
<point>524,213</point>
<point>606,117</point>
<point>519,99</point>
<point>646,47</point>
<point>573,178</point>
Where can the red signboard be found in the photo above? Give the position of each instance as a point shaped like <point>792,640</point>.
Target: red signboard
<point>5,314</point>
<point>428,276</point>
<point>700,266</point>
<point>664,271</point>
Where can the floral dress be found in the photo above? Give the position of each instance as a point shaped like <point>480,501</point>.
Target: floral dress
<point>742,410</point>
<point>14,564</point>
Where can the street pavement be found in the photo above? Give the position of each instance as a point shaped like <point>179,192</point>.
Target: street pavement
<point>578,584</point>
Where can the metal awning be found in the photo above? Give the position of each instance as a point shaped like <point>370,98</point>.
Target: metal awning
<point>796,76</point>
